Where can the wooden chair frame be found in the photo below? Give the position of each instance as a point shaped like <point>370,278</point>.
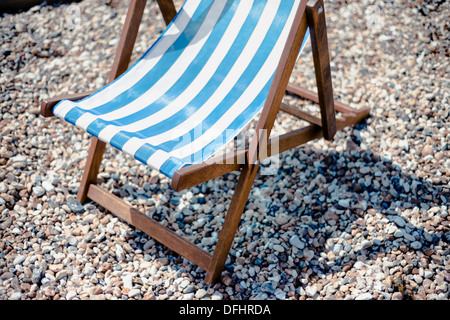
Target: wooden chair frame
<point>309,14</point>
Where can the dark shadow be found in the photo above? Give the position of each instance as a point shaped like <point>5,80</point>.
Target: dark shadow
<point>16,6</point>
<point>394,198</point>
<point>382,191</point>
<point>191,32</point>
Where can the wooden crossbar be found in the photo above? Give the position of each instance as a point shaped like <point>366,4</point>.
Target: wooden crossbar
<point>150,226</point>
<point>197,173</point>
<point>311,95</point>
<point>48,104</point>
<point>300,114</point>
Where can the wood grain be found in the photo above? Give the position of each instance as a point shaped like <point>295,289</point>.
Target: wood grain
<point>315,13</point>
<point>279,83</point>
<point>120,65</point>
<point>168,10</point>
<point>231,223</point>
<point>150,226</point>
<point>47,105</point>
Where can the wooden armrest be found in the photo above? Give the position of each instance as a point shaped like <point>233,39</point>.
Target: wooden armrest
<point>47,105</point>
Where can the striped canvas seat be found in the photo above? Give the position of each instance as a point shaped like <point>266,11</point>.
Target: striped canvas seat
<point>196,88</point>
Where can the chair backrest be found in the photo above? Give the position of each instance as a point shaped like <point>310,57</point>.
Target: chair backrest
<point>211,70</point>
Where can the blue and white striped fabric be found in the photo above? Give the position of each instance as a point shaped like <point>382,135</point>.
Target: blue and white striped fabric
<point>196,88</point>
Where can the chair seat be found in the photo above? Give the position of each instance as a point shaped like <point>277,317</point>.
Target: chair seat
<point>197,86</point>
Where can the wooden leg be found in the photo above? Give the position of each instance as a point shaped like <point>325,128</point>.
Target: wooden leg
<point>120,65</point>
<point>96,151</point>
<point>128,38</point>
<point>231,223</point>
<point>153,228</point>
<point>315,14</point>
<point>168,10</point>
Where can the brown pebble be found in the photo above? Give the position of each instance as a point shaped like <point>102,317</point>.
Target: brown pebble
<point>427,150</point>
<point>226,280</point>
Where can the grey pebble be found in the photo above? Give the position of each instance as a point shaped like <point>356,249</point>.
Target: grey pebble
<point>38,191</point>
<point>399,221</point>
<point>311,291</point>
<point>134,293</point>
<point>296,242</point>
<point>366,244</point>
<point>75,206</point>
<point>48,186</point>
<point>37,275</point>
<point>364,296</point>
<point>16,296</point>
<point>267,287</point>
<point>71,240</point>
<point>416,245</point>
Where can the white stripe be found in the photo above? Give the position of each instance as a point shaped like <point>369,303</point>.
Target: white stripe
<point>196,86</point>
<point>251,92</point>
<point>141,68</point>
<point>168,80</point>
<point>227,84</point>
<point>62,106</point>
<point>160,157</point>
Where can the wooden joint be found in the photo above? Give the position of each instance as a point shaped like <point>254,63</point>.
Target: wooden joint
<point>47,105</point>
<point>312,96</point>
<point>316,5</point>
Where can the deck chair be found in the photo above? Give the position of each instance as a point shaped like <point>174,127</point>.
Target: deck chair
<point>218,64</point>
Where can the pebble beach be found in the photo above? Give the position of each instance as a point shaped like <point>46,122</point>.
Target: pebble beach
<point>362,217</point>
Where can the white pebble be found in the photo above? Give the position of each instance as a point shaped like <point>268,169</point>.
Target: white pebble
<point>364,296</point>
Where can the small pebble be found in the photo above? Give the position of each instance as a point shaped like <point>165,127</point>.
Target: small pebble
<point>75,206</point>
<point>38,191</point>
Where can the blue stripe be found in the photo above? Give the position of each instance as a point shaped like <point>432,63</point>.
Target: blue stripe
<point>234,94</point>
<point>155,74</point>
<point>180,86</point>
<point>142,57</point>
<point>225,66</point>
<point>173,164</point>
<point>233,129</point>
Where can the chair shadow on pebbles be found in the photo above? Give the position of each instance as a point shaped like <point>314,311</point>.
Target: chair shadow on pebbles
<point>327,223</point>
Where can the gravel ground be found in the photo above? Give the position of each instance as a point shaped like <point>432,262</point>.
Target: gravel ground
<point>365,216</point>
